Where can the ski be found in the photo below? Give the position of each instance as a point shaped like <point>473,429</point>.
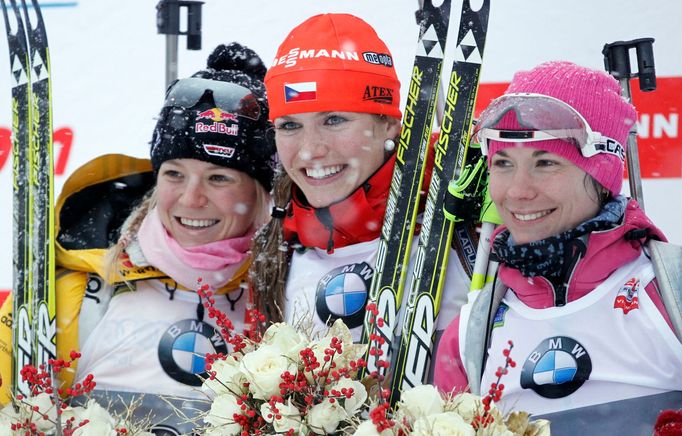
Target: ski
<point>397,231</point>
<point>42,191</point>
<point>34,327</point>
<point>454,160</point>
<point>20,76</point>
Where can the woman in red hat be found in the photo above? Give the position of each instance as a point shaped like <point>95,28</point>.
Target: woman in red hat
<point>334,100</point>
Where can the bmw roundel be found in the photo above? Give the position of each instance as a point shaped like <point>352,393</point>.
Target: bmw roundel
<point>183,347</point>
<point>556,368</point>
<point>342,293</point>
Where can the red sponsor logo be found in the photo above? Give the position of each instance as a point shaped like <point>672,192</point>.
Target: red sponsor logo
<point>218,150</point>
<point>216,115</point>
<point>627,296</point>
<point>221,128</point>
<point>62,139</point>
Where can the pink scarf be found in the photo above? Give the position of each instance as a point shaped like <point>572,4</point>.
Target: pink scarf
<point>214,262</point>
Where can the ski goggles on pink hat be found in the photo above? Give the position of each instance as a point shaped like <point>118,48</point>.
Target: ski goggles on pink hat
<point>541,118</point>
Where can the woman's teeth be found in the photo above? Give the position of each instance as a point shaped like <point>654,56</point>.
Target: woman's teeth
<point>531,216</point>
<point>321,173</point>
<point>197,223</point>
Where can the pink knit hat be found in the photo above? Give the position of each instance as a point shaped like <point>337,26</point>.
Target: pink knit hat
<point>596,96</point>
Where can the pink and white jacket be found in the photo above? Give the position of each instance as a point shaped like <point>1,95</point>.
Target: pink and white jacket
<point>608,252</point>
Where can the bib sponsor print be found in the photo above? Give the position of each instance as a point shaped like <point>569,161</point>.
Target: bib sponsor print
<point>342,294</point>
<point>183,347</point>
<point>556,368</point>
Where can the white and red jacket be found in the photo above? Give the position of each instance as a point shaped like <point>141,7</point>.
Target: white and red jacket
<point>610,342</point>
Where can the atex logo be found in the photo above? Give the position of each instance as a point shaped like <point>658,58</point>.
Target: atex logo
<point>378,94</point>
<point>378,58</point>
<point>290,59</point>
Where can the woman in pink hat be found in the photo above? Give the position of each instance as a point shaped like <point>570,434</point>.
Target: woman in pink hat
<point>334,100</point>
<point>576,292</point>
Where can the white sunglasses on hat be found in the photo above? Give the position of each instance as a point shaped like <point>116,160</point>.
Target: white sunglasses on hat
<point>544,118</point>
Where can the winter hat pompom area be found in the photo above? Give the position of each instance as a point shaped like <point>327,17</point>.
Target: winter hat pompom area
<point>592,93</point>
<point>219,115</point>
<point>235,56</point>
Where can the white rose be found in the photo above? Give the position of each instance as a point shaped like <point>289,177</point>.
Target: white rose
<point>45,408</point>
<point>349,350</point>
<point>263,369</point>
<point>8,417</point>
<point>289,416</point>
<point>466,405</point>
<point>100,421</point>
<point>367,428</point>
<point>442,424</point>
<point>221,415</point>
<point>356,401</point>
<point>421,401</point>
<point>228,379</point>
<point>325,417</point>
<point>286,338</point>
<point>540,427</point>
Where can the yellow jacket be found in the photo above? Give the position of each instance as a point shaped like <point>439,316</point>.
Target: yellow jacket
<point>91,208</point>
<point>84,232</point>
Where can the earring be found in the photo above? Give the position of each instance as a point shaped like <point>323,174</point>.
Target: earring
<point>389,144</point>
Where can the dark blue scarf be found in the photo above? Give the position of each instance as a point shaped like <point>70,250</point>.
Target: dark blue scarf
<point>551,257</point>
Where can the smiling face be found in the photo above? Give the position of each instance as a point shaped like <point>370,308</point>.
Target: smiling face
<point>539,194</point>
<point>200,202</point>
<point>330,154</point>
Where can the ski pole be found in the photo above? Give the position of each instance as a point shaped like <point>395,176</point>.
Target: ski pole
<point>168,23</point>
<point>617,63</point>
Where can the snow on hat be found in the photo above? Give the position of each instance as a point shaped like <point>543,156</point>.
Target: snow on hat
<point>333,62</point>
<point>219,115</point>
<point>596,96</point>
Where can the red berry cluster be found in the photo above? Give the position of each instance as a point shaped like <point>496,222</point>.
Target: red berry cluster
<point>496,389</point>
<point>380,417</point>
<point>376,342</point>
<point>40,382</point>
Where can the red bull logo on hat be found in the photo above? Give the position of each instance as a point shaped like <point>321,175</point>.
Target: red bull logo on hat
<point>219,150</point>
<point>216,114</point>
<point>221,128</point>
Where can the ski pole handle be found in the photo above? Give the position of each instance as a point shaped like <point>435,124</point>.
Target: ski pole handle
<point>617,63</point>
<point>168,23</point>
<point>484,268</point>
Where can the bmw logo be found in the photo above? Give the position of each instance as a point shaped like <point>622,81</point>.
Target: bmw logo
<point>342,293</point>
<point>183,348</point>
<point>556,368</point>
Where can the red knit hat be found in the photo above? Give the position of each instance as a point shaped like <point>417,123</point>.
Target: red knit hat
<point>333,62</point>
<point>596,96</point>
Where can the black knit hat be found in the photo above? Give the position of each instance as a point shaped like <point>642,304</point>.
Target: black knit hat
<point>219,115</point>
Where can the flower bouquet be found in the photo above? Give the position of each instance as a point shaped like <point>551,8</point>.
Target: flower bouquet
<point>286,383</point>
<point>46,411</point>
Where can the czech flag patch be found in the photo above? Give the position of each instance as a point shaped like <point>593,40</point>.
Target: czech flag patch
<point>303,91</point>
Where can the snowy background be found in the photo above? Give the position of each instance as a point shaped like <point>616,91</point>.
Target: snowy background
<point>108,68</point>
